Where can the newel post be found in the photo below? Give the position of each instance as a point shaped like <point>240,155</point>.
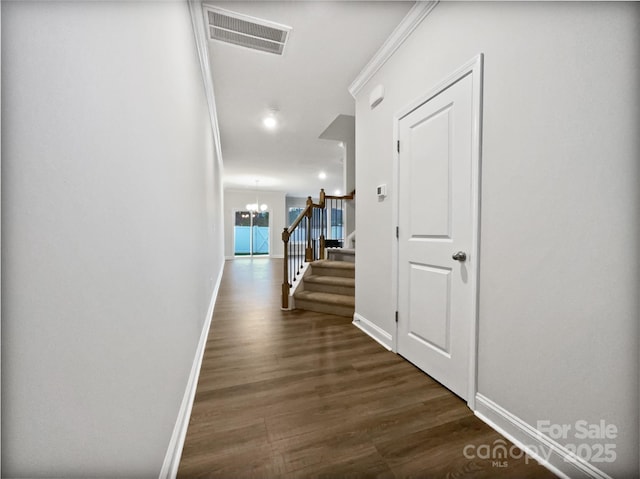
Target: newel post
<point>285,280</point>
<point>323,226</point>
<point>308,253</point>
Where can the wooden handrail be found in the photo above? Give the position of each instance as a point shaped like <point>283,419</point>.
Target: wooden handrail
<point>350,196</point>
<point>344,197</point>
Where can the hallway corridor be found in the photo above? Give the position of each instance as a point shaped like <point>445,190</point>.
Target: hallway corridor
<point>302,394</point>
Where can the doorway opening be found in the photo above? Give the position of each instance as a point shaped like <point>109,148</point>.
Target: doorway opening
<point>251,233</point>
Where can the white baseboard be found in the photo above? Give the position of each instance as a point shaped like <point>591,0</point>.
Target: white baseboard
<point>541,447</point>
<point>372,330</point>
<point>174,451</point>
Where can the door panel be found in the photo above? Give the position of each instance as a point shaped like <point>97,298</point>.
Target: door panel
<point>429,295</point>
<point>431,178</point>
<point>260,243</point>
<point>242,233</point>
<point>435,307</point>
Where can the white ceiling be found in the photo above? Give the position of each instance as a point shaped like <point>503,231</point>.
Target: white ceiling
<point>330,43</point>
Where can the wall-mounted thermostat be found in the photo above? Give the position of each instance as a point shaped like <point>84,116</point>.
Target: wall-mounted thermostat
<point>381,191</point>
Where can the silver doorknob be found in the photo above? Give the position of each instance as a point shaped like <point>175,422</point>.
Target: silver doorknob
<point>460,256</point>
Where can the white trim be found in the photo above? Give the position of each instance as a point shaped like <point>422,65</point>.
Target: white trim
<point>376,333</point>
<point>476,66</point>
<point>172,457</point>
<point>473,67</point>
<point>541,447</point>
<point>412,19</point>
<point>395,221</point>
<point>200,34</point>
<point>174,450</point>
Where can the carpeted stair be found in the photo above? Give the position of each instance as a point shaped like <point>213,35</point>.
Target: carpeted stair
<point>330,288</point>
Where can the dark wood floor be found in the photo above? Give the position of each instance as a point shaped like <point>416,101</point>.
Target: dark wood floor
<point>301,394</point>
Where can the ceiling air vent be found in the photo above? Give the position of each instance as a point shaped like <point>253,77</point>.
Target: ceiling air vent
<point>246,31</point>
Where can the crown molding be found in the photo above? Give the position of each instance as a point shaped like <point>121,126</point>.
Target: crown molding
<point>412,19</point>
<point>200,35</point>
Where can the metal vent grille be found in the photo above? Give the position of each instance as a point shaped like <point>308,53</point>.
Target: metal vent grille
<point>245,31</point>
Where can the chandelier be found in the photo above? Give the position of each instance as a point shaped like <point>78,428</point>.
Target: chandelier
<point>257,208</point>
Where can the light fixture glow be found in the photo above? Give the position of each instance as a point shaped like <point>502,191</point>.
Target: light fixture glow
<point>338,193</point>
<point>270,122</point>
<point>257,208</point>
<point>341,144</point>
<point>322,175</point>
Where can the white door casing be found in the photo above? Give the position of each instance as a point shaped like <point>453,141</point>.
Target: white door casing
<point>437,179</point>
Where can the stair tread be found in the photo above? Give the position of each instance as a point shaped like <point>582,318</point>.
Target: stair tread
<point>333,280</point>
<point>331,298</point>
<point>325,263</point>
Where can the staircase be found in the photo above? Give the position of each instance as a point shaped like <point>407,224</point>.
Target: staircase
<point>308,279</point>
<point>330,288</point>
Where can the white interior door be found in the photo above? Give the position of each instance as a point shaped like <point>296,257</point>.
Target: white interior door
<point>436,309</point>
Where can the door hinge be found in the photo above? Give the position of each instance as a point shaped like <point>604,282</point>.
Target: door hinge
<point>396,316</point>
<point>398,146</point>
<point>397,232</point>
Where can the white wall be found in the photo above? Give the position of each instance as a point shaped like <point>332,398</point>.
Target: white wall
<point>558,318</point>
<point>295,202</point>
<point>237,200</point>
<point>112,233</point>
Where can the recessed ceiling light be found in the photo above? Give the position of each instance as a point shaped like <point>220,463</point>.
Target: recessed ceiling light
<point>322,175</point>
<point>341,145</point>
<point>338,193</point>
<point>270,122</point>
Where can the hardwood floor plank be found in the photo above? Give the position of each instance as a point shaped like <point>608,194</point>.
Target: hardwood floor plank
<point>302,394</point>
